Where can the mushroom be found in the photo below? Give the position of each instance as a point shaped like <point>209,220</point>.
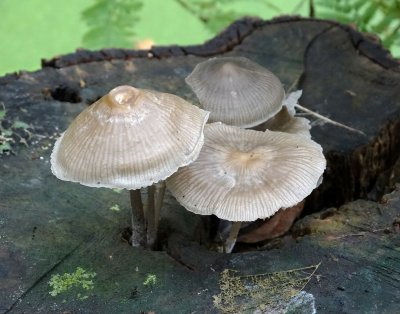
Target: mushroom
<point>130,138</point>
<point>236,91</point>
<point>244,175</point>
<point>285,120</point>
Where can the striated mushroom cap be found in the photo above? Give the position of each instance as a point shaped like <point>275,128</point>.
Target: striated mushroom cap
<point>236,91</point>
<point>130,138</point>
<point>243,175</point>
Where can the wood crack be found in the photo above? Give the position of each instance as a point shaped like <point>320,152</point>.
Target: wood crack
<point>37,281</point>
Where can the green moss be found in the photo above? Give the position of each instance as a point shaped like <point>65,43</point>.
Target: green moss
<point>150,280</point>
<point>12,132</point>
<point>115,208</point>
<point>80,279</point>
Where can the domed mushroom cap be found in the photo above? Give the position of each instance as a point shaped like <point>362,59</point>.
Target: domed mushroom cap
<point>236,91</point>
<point>130,138</point>
<point>243,175</point>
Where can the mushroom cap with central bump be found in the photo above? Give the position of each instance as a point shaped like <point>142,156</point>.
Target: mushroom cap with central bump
<point>244,175</point>
<point>130,138</point>
<point>236,91</point>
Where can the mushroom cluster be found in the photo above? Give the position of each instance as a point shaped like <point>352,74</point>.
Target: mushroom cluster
<point>243,174</point>
<point>131,138</point>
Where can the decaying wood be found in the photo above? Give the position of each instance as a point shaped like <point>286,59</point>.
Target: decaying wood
<point>344,76</point>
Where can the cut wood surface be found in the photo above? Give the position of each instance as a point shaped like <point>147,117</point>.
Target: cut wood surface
<point>51,227</point>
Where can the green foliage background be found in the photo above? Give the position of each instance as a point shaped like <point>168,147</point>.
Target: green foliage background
<point>111,23</point>
<point>381,17</point>
<point>35,29</point>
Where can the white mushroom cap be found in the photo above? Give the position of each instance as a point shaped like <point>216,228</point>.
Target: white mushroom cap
<point>243,175</point>
<point>291,100</point>
<point>130,138</point>
<point>236,91</point>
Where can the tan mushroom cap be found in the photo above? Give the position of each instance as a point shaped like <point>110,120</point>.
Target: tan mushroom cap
<point>236,91</point>
<point>130,138</point>
<point>243,175</point>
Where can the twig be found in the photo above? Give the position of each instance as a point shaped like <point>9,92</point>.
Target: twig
<point>319,116</point>
<point>360,234</point>
<point>284,271</point>
<point>312,274</point>
<point>338,124</point>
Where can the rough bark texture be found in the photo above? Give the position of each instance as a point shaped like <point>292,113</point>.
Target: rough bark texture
<point>49,226</point>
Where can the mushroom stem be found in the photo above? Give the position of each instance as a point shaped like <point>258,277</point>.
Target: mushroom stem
<point>151,225</point>
<point>158,203</point>
<point>233,234</point>
<point>138,224</point>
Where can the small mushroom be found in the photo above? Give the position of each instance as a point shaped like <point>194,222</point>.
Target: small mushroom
<point>130,138</point>
<point>236,91</point>
<point>285,120</point>
<point>244,175</point>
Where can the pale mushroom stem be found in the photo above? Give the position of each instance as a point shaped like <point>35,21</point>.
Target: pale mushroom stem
<point>151,224</point>
<point>233,234</point>
<point>138,222</point>
<point>158,203</point>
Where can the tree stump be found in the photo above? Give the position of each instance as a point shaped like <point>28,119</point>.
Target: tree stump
<point>51,227</point>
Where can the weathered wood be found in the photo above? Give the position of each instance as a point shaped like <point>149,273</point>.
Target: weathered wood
<point>358,91</point>
<point>224,42</point>
<point>312,55</point>
<point>49,226</point>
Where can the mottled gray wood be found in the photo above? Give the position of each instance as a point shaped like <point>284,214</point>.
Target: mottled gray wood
<point>48,226</point>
